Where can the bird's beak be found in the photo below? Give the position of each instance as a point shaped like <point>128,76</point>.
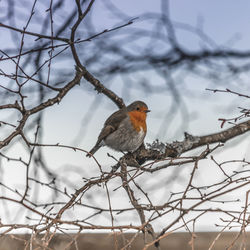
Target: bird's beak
<point>147,110</point>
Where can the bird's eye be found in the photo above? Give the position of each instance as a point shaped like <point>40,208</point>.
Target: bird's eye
<point>137,108</point>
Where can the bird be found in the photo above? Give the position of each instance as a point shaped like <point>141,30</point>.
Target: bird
<point>124,130</point>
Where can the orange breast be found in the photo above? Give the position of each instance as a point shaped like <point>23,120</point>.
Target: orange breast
<point>138,119</point>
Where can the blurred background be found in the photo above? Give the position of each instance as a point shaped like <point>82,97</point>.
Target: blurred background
<point>166,53</point>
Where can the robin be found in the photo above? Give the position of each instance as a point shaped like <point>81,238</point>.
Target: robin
<point>124,130</point>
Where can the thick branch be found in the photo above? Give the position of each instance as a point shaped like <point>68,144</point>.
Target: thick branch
<point>159,151</point>
<point>100,88</point>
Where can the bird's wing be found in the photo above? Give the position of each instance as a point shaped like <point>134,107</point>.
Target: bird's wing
<point>111,124</point>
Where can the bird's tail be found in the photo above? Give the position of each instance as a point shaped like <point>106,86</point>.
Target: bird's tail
<point>93,150</point>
